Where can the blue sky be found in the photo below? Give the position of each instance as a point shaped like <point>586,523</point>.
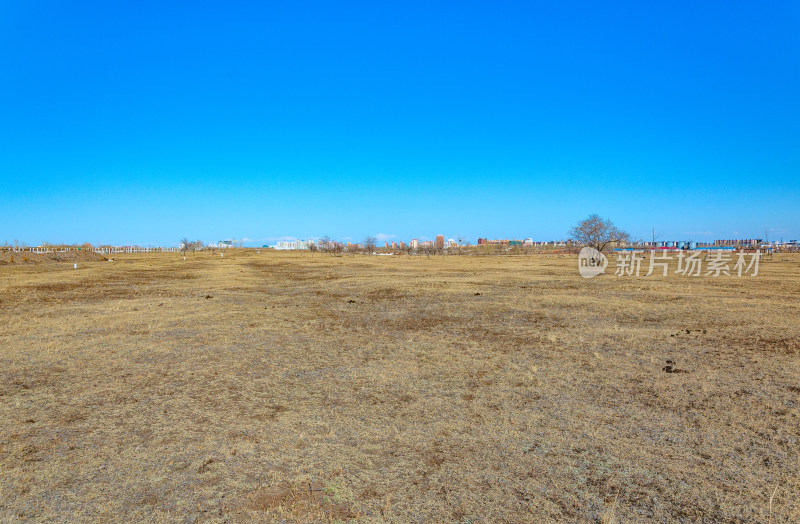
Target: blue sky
<point>145,122</point>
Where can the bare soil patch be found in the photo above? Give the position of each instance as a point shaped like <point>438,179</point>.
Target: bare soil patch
<point>25,257</point>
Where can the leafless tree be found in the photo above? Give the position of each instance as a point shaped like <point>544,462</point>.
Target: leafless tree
<point>324,244</point>
<point>597,232</point>
<point>197,245</point>
<point>460,241</point>
<point>369,245</point>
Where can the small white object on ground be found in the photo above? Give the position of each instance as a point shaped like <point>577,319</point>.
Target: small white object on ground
<point>75,266</point>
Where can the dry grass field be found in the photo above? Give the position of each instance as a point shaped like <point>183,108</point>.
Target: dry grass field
<point>299,388</point>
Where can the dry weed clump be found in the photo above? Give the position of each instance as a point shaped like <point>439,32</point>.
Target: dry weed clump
<point>308,388</point>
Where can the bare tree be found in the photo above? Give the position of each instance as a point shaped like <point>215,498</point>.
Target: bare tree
<point>597,232</point>
<point>460,241</point>
<point>197,245</point>
<point>324,244</point>
<point>427,249</point>
<point>186,245</point>
<point>369,245</point>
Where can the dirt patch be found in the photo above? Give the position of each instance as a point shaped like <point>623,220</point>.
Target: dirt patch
<point>308,502</point>
<point>389,293</point>
<point>26,257</point>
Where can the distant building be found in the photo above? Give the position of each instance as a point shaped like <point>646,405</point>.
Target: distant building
<point>293,244</point>
<point>440,241</point>
<point>498,242</point>
<point>749,242</point>
<point>414,243</point>
<point>222,244</point>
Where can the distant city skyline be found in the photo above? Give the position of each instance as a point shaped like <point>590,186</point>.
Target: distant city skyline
<point>144,123</point>
<point>440,242</point>
<point>382,238</point>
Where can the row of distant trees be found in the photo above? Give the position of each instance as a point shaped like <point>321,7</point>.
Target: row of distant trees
<point>188,245</point>
<point>370,246</point>
<point>593,231</point>
<point>16,244</point>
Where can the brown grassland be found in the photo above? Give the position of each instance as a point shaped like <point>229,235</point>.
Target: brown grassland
<point>311,388</point>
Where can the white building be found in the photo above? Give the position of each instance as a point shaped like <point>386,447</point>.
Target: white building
<point>294,244</point>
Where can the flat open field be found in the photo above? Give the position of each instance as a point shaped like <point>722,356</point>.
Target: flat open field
<point>281,386</point>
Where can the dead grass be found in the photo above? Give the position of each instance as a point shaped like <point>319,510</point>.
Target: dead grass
<point>26,257</point>
<point>288,387</point>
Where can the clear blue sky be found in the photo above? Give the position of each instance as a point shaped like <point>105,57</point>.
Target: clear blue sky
<point>143,122</point>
